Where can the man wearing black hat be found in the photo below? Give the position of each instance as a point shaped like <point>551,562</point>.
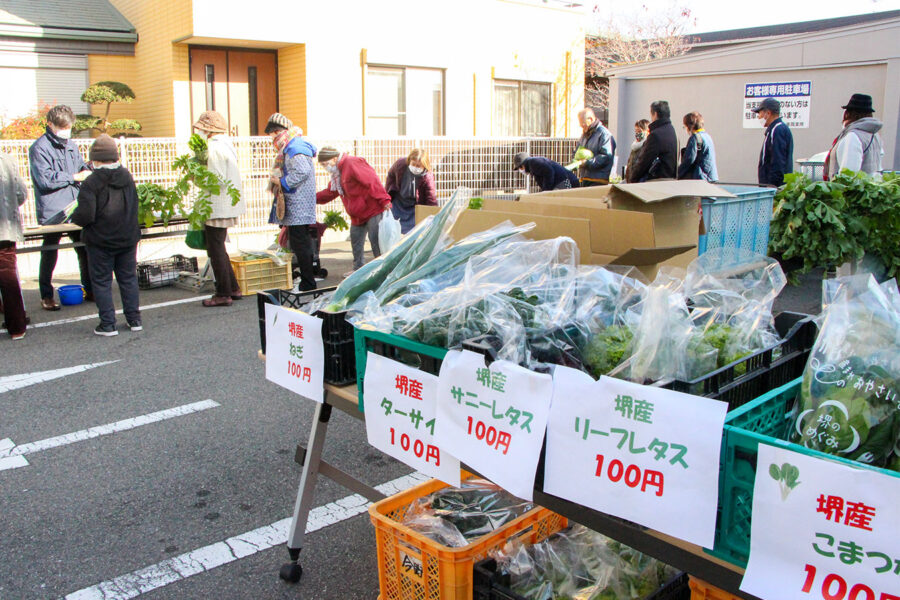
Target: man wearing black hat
<point>776,158</point>
<point>547,174</point>
<point>858,147</point>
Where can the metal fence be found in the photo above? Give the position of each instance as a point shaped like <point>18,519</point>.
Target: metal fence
<point>482,164</point>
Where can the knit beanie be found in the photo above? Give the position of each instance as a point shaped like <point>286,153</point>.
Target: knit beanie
<point>104,149</point>
<point>327,153</point>
<point>212,122</point>
<point>520,158</point>
<point>278,120</point>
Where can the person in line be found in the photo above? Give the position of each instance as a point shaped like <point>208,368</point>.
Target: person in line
<point>365,199</point>
<point>596,138</point>
<point>547,174</point>
<point>858,146</point>
<point>12,196</point>
<point>698,157</point>
<point>657,158</point>
<point>409,182</point>
<point>108,213</point>
<point>641,131</point>
<point>293,184</point>
<point>57,170</point>
<point>776,158</point>
<point>222,162</point>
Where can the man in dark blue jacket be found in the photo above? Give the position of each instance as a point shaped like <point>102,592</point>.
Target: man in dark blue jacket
<point>597,139</point>
<point>547,174</point>
<point>776,158</point>
<point>57,170</point>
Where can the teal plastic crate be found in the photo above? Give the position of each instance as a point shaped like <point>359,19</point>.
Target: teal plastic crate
<point>765,420</point>
<point>741,222</point>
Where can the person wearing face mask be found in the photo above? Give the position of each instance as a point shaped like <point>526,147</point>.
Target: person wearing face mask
<point>698,157</point>
<point>641,130</point>
<point>365,199</point>
<point>410,182</point>
<point>658,155</point>
<point>293,185</point>
<point>57,170</point>
<point>776,158</point>
<point>547,174</point>
<point>597,139</point>
<point>858,146</point>
<point>223,163</point>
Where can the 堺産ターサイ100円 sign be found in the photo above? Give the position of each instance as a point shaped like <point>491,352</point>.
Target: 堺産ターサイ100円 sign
<point>641,453</point>
<point>794,97</point>
<point>295,358</point>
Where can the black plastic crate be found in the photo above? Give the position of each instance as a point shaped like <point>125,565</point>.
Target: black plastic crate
<point>488,584</point>
<point>340,362</point>
<point>285,298</point>
<point>164,271</point>
<point>754,375</point>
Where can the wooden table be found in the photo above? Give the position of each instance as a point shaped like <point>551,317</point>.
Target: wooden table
<point>157,230</point>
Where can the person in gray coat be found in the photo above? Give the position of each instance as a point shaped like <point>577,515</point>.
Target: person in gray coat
<point>57,171</point>
<point>858,146</point>
<point>12,196</point>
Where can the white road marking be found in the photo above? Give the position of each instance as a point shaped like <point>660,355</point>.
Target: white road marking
<point>215,555</point>
<point>11,450</point>
<point>118,312</point>
<point>14,382</point>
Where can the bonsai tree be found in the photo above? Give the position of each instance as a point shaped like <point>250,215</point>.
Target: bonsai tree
<point>108,93</point>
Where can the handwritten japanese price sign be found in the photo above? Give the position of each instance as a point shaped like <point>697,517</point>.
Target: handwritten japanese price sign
<point>641,453</point>
<point>493,418</point>
<point>400,404</point>
<point>295,358</point>
<point>822,530</point>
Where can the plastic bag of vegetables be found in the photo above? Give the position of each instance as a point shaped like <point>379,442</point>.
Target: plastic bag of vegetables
<point>850,397</point>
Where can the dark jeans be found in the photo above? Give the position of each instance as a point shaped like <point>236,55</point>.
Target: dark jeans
<point>123,262</point>
<point>10,292</point>
<point>48,263</point>
<point>226,282</point>
<point>301,241</point>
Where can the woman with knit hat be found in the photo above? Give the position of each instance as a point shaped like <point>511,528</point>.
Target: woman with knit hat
<point>223,163</point>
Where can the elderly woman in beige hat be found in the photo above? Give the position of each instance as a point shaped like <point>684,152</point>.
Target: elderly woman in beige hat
<point>224,164</point>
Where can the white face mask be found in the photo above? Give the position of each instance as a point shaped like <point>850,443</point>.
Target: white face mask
<point>331,169</point>
<point>416,170</point>
<point>64,133</point>
<point>522,170</point>
<point>762,120</point>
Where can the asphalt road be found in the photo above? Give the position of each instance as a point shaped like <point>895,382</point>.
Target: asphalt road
<point>91,511</point>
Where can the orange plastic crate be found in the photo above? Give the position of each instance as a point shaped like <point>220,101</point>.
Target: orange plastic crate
<point>262,274</point>
<point>700,590</point>
<point>412,566</point>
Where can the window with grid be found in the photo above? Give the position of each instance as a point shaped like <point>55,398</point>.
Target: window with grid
<point>521,108</point>
<point>404,101</point>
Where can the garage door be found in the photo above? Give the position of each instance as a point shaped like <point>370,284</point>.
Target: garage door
<point>31,79</point>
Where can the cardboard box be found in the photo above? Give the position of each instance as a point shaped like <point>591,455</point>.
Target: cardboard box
<point>645,225</point>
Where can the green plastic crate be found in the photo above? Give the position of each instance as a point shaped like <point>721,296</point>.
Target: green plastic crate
<point>764,420</point>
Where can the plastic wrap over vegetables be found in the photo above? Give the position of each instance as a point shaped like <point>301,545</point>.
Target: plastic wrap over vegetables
<point>580,564</point>
<point>850,398</point>
<point>457,516</point>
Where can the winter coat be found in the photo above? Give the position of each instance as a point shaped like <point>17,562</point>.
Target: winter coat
<point>858,148</point>
<point>600,141</point>
<point>364,196</point>
<point>12,196</point>
<point>53,161</point>
<point>658,155</point>
<point>108,209</point>
<point>633,156</point>
<point>549,174</point>
<point>698,158</point>
<point>224,164</point>
<point>776,159</point>
<point>425,189</point>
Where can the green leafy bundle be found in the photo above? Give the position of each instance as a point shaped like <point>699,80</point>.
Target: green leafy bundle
<point>335,220</point>
<point>606,350</point>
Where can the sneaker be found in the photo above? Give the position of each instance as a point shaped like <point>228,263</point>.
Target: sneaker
<point>136,325</point>
<point>18,336</point>
<point>106,330</point>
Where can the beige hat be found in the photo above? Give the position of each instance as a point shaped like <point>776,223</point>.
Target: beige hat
<point>211,121</point>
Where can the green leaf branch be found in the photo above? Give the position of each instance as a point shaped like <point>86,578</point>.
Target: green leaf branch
<point>786,476</point>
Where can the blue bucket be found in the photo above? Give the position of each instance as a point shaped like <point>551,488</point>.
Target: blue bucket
<point>71,294</point>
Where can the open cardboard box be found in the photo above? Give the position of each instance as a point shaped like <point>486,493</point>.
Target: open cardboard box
<point>645,225</point>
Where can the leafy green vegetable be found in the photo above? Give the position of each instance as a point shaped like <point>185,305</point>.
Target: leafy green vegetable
<point>335,220</point>
<point>606,350</point>
<point>787,476</point>
<point>583,154</point>
<point>476,203</point>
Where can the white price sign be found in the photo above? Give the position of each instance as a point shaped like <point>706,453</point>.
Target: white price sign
<point>400,404</point>
<point>493,418</point>
<point>641,453</point>
<point>822,530</point>
<point>295,357</point>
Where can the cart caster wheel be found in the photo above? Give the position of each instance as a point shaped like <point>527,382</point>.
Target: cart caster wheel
<point>291,572</point>
<point>323,273</point>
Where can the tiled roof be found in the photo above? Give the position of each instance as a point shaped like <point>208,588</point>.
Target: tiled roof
<point>86,15</point>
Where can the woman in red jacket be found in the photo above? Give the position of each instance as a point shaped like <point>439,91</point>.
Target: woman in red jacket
<point>364,198</point>
<point>410,182</point>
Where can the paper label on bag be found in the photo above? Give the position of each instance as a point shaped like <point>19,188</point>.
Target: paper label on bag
<point>295,357</point>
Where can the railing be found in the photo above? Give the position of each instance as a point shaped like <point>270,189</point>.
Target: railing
<point>481,164</point>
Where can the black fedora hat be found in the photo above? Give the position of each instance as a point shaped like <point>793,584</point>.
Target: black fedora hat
<point>860,103</point>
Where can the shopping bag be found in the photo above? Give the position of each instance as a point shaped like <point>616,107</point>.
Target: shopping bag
<point>196,239</point>
<point>388,232</point>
